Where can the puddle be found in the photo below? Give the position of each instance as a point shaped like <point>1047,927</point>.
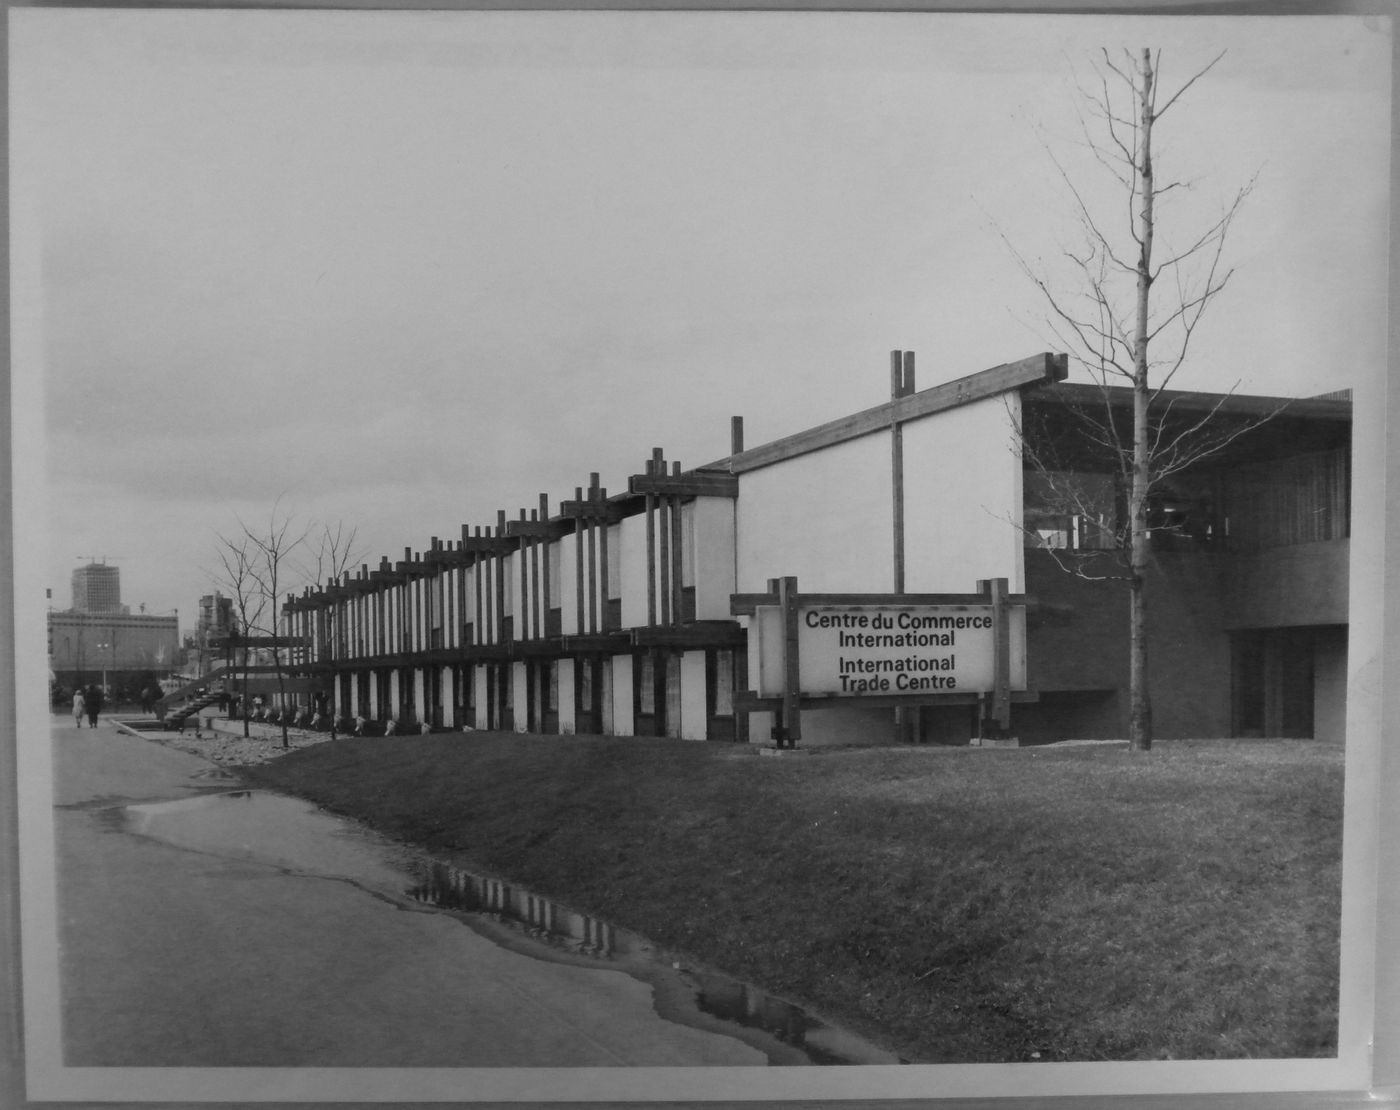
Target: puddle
<point>298,837</point>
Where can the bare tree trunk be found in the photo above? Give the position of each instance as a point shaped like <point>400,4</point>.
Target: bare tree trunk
<point>1140,711</point>
<point>243,699</point>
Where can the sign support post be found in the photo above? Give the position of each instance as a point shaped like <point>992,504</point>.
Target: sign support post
<point>995,590</point>
<point>789,728</point>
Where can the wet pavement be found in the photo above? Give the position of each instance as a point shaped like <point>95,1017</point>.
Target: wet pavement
<point>204,925</point>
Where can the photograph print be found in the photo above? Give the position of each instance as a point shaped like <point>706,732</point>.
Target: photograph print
<point>726,554</point>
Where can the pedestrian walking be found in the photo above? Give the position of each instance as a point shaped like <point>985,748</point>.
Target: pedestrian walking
<point>79,706</point>
<point>93,702</point>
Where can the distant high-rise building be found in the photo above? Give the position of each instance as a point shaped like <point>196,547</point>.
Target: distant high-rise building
<point>97,588</point>
<point>215,617</point>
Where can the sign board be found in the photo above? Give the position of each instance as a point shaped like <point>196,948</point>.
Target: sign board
<point>902,649</point>
<point>862,650</point>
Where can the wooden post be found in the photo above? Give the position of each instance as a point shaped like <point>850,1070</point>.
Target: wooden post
<point>995,590</point>
<point>789,730</point>
<point>501,580</point>
<point>603,558</point>
<point>651,554</point>
<point>898,361</point>
<point>677,557</point>
<point>544,594</point>
<point>901,369</point>
<point>580,526</point>
<point>593,557</point>
<point>663,557</point>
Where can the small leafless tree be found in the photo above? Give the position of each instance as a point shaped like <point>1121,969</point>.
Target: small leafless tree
<point>1128,317</point>
<point>258,562</point>
<point>335,550</point>
<point>274,546</point>
<point>237,557</point>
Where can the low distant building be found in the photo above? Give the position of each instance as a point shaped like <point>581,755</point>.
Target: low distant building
<point>99,640</point>
<point>111,647</point>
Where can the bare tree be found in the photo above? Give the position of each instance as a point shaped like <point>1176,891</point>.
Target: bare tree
<point>1128,317</point>
<point>273,547</point>
<point>335,551</point>
<point>237,557</point>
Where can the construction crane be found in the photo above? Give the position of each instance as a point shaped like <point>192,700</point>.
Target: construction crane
<point>98,558</point>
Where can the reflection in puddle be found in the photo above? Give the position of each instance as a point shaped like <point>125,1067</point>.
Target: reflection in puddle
<point>715,994</point>
<point>297,836</point>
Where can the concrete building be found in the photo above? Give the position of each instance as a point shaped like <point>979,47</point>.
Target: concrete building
<point>93,647</point>
<point>639,612</point>
<point>99,639</point>
<point>97,588</point>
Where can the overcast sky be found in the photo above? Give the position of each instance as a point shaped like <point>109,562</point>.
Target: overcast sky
<point>404,269</point>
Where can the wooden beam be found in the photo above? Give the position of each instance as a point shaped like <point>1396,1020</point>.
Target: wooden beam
<point>1036,370</point>
<point>609,643</point>
<point>538,529</point>
<point>743,605</point>
<point>697,634</point>
<point>694,484</point>
<point>606,512</point>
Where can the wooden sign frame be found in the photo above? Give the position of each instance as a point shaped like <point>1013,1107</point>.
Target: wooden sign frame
<point>783,595</point>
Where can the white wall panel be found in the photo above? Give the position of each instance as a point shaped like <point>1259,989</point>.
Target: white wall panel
<point>693,695</point>
<point>824,516</point>
<point>520,699</point>
<point>633,561</point>
<point>568,721</point>
<point>962,498</point>
<point>623,723</point>
<point>712,556</point>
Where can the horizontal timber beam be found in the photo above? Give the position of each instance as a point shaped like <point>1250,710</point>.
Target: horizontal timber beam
<point>1036,370</point>
<point>685,485</point>
<point>743,605</point>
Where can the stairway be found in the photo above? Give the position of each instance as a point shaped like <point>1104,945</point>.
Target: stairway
<point>174,715</point>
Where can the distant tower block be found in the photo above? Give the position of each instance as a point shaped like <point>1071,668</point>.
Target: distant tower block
<point>97,588</point>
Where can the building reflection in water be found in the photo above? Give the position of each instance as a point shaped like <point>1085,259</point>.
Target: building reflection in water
<point>716,994</point>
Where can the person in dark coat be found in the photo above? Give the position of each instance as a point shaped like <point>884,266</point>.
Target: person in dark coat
<point>93,703</point>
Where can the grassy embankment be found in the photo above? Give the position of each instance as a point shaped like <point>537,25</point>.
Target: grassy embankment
<point>953,905</point>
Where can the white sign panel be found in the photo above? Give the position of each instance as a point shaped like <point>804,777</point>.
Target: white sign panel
<point>865,650</point>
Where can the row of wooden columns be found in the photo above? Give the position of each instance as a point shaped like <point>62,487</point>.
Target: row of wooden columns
<point>362,602</point>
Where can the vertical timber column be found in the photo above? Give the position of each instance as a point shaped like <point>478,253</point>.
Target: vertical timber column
<point>790,727</point>
<point>999,705</point>
<point>522,626</point>
<point>546,601</point>
<point>479,613</point>
<point>651,555</point>
<point>593,557</point>
<point>500,571</point>
<point>897,464</point>
<point>677,557</point>
<point>604,572</point>
<point>664,556</point>
<point>580,525</point>
<point>906,720</point>
<point>535,630</point>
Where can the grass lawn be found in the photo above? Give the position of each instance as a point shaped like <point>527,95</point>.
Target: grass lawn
<point>1081,903</point>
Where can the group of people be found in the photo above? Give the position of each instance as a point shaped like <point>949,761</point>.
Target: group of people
<point>87,702</point>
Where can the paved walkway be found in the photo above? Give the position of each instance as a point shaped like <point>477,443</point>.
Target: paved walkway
<point>224,955</point>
